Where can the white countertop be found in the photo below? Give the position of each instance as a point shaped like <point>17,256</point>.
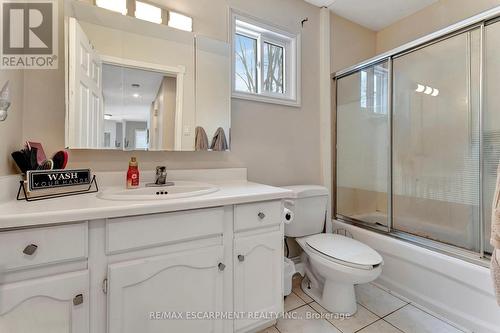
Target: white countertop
<point>18,214</point>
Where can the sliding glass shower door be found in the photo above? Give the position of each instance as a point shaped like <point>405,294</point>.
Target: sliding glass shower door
<point>418,141</point>
<point>491,124</point>
<point>362,145</point>
<point>436,141</point>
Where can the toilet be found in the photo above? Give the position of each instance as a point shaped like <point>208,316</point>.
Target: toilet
<point>332,263</point>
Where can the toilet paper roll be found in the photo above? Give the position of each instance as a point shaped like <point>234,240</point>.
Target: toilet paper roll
<point>288,216</point>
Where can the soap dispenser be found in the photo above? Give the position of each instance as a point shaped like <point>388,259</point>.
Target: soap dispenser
<point>133,174</point>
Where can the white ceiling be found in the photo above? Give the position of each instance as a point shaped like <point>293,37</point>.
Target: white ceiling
<point>373,14</point>
<point>119,100</point>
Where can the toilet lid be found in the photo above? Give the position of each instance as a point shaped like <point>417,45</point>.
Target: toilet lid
<point>344,249</point>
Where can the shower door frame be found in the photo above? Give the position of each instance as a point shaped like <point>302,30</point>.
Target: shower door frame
<point>479,21</point>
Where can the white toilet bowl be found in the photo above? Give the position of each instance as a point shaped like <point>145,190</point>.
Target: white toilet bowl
<point>333,265</point>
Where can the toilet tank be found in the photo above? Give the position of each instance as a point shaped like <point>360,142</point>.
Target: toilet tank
<point>308,204</point>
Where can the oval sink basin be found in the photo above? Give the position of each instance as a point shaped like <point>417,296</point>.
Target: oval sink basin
<point>180,189</point>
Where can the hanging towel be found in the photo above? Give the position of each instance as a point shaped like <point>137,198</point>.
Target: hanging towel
<point>495,238</point>
<point>219,142</point>
<point>201,139</point>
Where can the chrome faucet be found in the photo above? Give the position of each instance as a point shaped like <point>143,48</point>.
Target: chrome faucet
<point>161,175</point>
<point>161,178</point>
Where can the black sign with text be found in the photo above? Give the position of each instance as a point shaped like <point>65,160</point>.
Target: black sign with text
<point>47,179</point>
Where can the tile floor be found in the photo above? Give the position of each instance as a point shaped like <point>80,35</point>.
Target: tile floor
<point>378,312</point>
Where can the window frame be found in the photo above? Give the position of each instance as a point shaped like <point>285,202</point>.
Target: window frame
<point>266,33</point>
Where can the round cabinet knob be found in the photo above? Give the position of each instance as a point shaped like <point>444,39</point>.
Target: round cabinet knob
<point>241,257</point>
<point>261,215</point>
<point>221,267</point>
<point>30,249</point>
<point>78,299</point>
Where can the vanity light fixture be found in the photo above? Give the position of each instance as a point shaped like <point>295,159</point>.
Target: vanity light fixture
<point>420,88</point>
<point>119,6</point>
<point>107,116</point>
<point>180,21</point>
<point>4,101</point>
<point>147,12</point>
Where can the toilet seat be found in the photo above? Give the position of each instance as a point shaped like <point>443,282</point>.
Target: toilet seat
<point>343,250</point>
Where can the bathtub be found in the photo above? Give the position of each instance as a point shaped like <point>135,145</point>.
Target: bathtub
<point>454,289</point>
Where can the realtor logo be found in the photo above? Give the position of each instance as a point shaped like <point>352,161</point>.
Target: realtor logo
<point>28,34</point>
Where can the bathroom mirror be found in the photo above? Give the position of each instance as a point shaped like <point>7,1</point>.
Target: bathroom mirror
<point>137,85</point>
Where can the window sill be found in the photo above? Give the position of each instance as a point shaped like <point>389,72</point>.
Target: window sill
<point>267,99</point>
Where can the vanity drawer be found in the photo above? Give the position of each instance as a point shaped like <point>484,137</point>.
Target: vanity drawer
<point>138,232</point>
<point>28,248</point>
<point>257,215</point>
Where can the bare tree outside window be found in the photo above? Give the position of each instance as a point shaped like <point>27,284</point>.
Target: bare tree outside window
<point>246,78</point>
<point>246,63</point>
<point>265,62</point>
<point>273,69</point>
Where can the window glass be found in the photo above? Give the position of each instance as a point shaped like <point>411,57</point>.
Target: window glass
<point>274,72</point>
<point>265,62</point>
<point>245,63</point>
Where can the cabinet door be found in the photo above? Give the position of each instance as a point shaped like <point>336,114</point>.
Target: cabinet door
<point>258,278</point>
<point>54,304</point>
<point>143,293</point>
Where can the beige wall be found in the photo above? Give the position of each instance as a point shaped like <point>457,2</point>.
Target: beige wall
<point>278,144</point>
<point>437,16</point>
<point>350,43</point>
<point>11,129</point>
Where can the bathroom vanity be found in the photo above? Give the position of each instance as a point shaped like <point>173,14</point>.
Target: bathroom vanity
<point>189,264</point>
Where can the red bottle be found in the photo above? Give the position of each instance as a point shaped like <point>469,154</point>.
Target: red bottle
<point>133,174</point>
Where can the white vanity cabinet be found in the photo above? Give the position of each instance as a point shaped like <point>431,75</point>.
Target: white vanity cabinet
<point>187,271</point>
<point>55,304</point>
<point>258,262</point>
<point>44,281</point>
<point>143,293</point>
<point>257,278</point>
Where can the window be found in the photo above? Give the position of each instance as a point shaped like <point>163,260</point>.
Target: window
<point>245,63</point>
<point>373,90</point>
<point>147,12</point>
<point>119,6</point>
<point>265,62</point>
